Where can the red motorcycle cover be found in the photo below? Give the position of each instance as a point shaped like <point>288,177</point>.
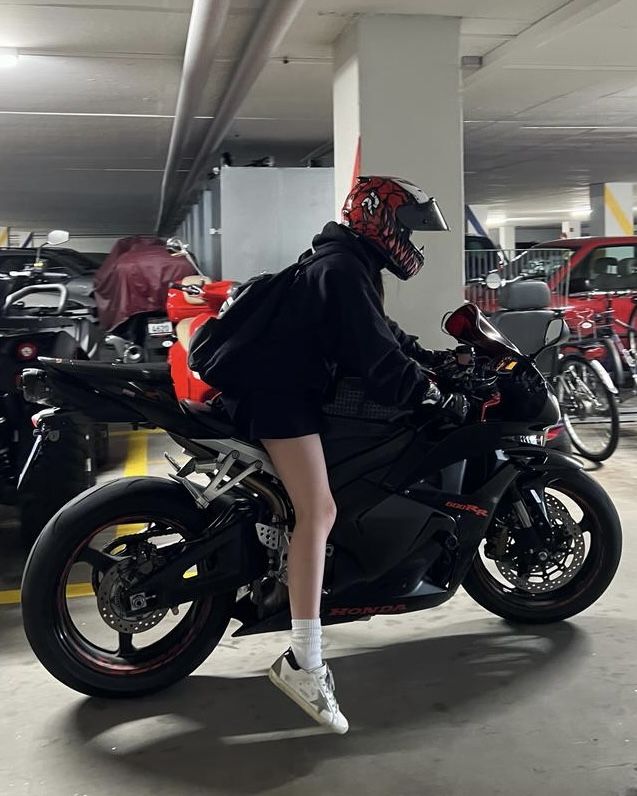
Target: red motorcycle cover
<point>135,277</point>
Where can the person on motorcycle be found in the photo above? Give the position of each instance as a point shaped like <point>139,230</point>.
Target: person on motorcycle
<point>333,318</point>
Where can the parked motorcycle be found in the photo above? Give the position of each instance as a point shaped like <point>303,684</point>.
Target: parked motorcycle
<point>43,313</point>
<point>130,290</point>
<point>191,302</point>
<point>424,506</point>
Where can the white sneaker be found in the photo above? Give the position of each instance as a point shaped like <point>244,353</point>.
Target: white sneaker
<point>312,691</point>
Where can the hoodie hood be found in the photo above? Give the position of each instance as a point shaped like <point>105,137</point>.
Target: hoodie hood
<point>333,232</point>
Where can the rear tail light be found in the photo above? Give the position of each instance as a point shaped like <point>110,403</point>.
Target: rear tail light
<point>553,433</point>
<point>26,351</point>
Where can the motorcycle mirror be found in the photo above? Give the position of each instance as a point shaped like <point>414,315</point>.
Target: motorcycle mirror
<point>493,280</point>
<point>557,332</point>
<point>176,245</point>
<point>57,237</point>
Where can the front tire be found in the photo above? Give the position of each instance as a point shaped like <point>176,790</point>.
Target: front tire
<point>601,520</point>
<point>63,645</point>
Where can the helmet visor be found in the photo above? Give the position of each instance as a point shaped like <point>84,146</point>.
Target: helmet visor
<point>425,216</point>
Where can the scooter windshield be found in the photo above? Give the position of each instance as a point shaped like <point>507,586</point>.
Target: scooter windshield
<point>468,325</point>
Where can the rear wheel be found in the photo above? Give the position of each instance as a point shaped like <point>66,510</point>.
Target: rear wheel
<point>572,568</point>
<point>75,613</point>
<point>589,409</point>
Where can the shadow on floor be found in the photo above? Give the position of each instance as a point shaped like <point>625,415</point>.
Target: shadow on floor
<point>242,736</point>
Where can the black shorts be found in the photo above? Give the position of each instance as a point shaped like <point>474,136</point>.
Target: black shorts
<point>269,415</point>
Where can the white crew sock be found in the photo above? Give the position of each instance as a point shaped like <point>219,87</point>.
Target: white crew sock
<point>306,643</point>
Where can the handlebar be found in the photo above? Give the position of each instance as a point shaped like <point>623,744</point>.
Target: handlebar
<point>12,298</point>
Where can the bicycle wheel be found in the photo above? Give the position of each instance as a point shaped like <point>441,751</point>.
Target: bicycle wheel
<point>632,331</point>
<point>589,409</point>
<point>613,361</point>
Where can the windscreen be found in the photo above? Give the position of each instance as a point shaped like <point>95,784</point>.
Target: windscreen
<point>468,325</point>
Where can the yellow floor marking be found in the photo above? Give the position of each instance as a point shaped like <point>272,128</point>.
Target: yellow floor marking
<point>137,454</point>
<point>12,596</point>
<point>140,431</point>
<point>136,464</point>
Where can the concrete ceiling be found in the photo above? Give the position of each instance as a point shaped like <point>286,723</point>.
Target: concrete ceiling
<point>85,116</point>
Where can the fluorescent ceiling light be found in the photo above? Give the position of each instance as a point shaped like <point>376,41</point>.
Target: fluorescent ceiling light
<point>496,220</point>
<point>614,127</point>
<point>581,213</point>
<point>8,57</point>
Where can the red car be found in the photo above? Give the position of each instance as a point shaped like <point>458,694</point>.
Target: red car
<point>597,268</point>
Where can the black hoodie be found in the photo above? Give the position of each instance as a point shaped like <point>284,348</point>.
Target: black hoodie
<point>332,319</point>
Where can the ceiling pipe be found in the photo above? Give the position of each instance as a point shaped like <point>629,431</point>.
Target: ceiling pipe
<point>269,30</point>
<point>207,21</point>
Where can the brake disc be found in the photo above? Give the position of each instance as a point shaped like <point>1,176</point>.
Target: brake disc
<point>111,603</point>
<point>562,564</point>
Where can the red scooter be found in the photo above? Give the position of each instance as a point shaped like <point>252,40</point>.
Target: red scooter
<point>191,302</point>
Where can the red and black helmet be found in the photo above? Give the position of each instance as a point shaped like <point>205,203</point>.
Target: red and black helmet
<point>385,211</point>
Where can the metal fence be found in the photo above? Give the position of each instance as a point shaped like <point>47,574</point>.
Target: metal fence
<point>547,265</point>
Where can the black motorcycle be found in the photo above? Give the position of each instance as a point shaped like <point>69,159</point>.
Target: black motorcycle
<point>43,312</point>
<point>424,506</point>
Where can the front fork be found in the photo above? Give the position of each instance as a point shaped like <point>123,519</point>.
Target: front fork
<point>530,507</point>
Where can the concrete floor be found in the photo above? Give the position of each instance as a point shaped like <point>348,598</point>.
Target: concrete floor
<point>449,702</point>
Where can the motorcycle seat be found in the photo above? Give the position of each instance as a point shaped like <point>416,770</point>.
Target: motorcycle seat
<point>147,372</point>
<point>212,416</point>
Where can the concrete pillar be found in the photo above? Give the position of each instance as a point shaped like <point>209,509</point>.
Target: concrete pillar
<point>477,216</point>
<point>205,254</point>
<point>572,229</point>
<point>506,237</point>
<point>397,111</point>
<point>612,208</point>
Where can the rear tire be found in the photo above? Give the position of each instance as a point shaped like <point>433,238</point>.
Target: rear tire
<point>589,583</point>
<point>44,611</point>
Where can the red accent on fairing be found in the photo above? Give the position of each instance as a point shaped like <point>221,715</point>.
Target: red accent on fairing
<point>186,384</point>
<point>214,294</point>
<point>493,401</point>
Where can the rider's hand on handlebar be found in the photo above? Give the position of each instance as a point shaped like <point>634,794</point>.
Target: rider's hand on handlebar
<point>454,405</point>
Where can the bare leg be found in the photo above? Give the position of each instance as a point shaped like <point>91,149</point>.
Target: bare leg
<point>300,464</point>
<point>301,673</point>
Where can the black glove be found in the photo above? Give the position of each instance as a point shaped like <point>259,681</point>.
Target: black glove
<point>454,405</point>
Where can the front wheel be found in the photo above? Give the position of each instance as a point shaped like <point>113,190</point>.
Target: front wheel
<point>75,612</point>
<point>589,409</point>
<point>570,570</point>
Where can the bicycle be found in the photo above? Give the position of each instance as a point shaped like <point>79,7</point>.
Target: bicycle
<point>601,329</point>
<point>585,391</point>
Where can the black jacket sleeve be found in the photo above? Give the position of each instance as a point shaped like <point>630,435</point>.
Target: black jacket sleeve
<point>410,346</point>
<point>364,343</point>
